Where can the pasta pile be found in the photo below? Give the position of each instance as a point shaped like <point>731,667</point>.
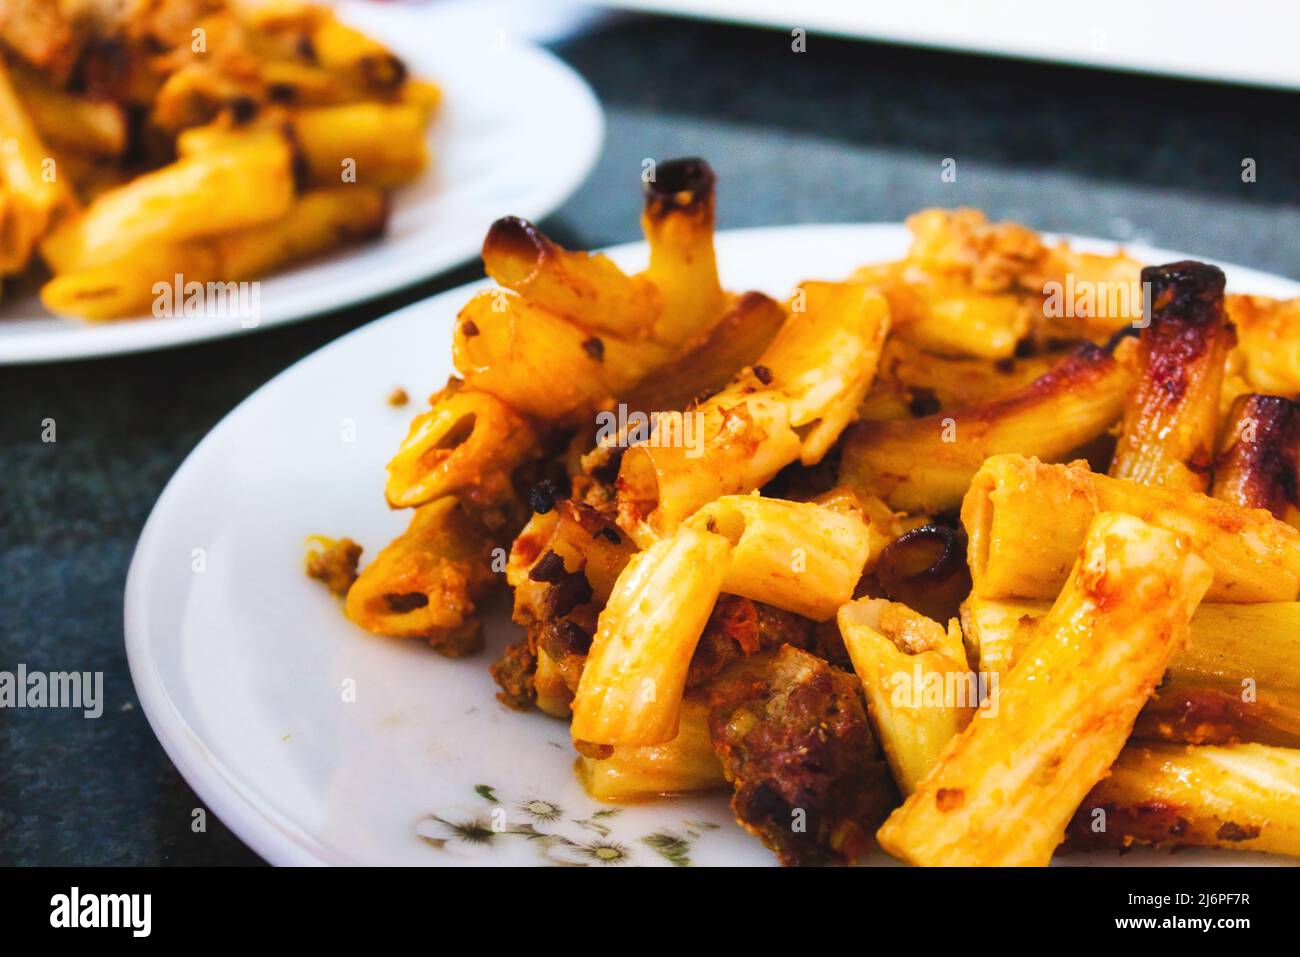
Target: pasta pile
<point>192,141</point>
<point>911,556</point>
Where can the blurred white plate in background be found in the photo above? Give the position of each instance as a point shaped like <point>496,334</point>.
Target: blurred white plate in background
<point>518,132</point>
<point>1246,41</point>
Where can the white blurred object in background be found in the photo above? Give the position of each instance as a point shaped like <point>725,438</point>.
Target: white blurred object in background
<point>1246,41</point>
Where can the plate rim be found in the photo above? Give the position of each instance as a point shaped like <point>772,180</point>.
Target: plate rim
<point>101,340</point>
<point>280,842</point>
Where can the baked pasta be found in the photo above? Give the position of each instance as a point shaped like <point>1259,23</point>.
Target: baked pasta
<point>158,150</point>
<point>906,559</point>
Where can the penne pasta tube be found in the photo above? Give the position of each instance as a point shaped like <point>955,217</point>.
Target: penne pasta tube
<point>376,144</point>
<point>345,50</point>
<point>926,465</point>
<point>553,695</point>
<point>1259,459</point>
<point>129,286</point>
<point>920,691</point>
<point>317,221</point>
<point>427,581</point>
<point>955,321</point>
<point>1006,787</point>
<point>824,359</point>
<point>1090,295</point>
<point>739,447</point>
<point>588,289</point>
<point>1171,421</point>
<point>1237,680</point>
<point>791,405</point>
<point>72,121</point>
<point>799,556</point>
<point>884,526</point>
<point>1243,796</point>
<point>35,194</point>
<point>194,197</point>
<point>469,443</point>
<point>1025,519</point>
<point>631,688</point>
<point>748,326</point>
<point>18,233</point>
<point>509,346</point>
<point>1268,342</point>
<point>912,383</point>
<point>685,764</point>
<point>423,94</point>
<point>677,220</point>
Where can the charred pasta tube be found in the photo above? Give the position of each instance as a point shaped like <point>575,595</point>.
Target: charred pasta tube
<point>920,691</point>
<point>925,569</point>
<point>1026,519</point>
<point>1004,790</point>
<point>677,220</point>
<point>631,688</point>
<point>1237,680</point>
<point>790,405</point>
<point>746,328</point>
<point>926,465</point>
<point>586,288</point>
<point>469,442</point>
<point>677,298</point>
<point>1242,796</point>
<point>1259,461</point>
<point>426,582</point>
<point>798,556</point>
<point>1171,423</point>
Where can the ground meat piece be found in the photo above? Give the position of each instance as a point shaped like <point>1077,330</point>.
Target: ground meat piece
<point>739,627</point>
<point>514,672</point>
<point>335,564</point>
<point>795,743</point>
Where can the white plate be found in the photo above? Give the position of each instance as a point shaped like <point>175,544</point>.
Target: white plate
<point>519,131</point>
<point>241,667</point>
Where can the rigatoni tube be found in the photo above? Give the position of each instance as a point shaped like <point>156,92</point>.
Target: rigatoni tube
<point>631,687</point>
<point>1025,520</point>
<point>799,556</point>
<point>1243,796</point>
<point>926,464</point>
<point>1259,458</point>
<point>1005,788</point>
<point>1237,680</point>
<point>1171,423</point>
<point>790,405</point>
<point>899,655</point>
